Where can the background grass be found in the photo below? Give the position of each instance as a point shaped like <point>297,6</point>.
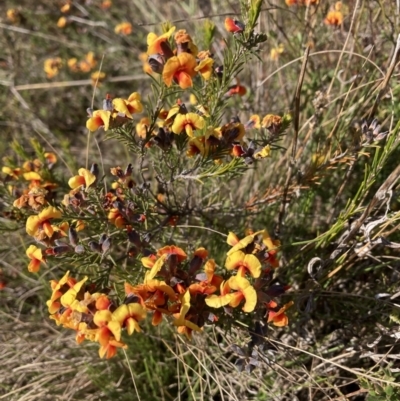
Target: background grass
<point>342,341</point>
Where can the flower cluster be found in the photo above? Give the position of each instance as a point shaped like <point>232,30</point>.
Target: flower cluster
<point>334,17</point>
<point>32,183</point>
<point>175,287</point>
<point>125,221</point>
<point>115,112</point>
<point>204,140</point>
<point>93,315</point>
<point>53,65</point>
<point>253,261</point>
<point>124,28</point>
<point>184,65</point>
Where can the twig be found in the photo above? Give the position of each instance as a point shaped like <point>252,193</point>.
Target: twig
<point>296,106</point>
<point>317,54</point>
<point>296,102</point>
<point>40,35</point>
<point>357,5</point>
<point>64,84</point>
<point>87,22</point>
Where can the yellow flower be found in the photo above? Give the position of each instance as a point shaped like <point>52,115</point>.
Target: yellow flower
<point>62,22</point>
<point>42,220</point>
<point>128,106</point>
<point>237,244</point>
<point>106,4</point>
<point>51,66</point>
<point>193,99</point>
<point>68,299</point>
<point>143,57</point>
<point>134,104</point>
<point>254,122</point>
<point>12,173</point>
<point>13,16</point>
<point>72,64</point>
<point>184,43</point>
<point>262,153</point>
<point>36,256</point>
<point>181,316</point>
<point>180,69</point>
<point>66,7</point>
<point>196,146</point>
<point>334,18</point>
<point>141,127</point>
<point>124,28</point>
<point>129,315</point>
<point>271,122</point>
<point>50,157</point>
<point>243,263</point>
<point>187,122</point>
<point>84,177</point>
<point>100,118</point>
<point>243,291</point>
<point>154,41</point>
<point>205,68</point>
<point>116,218</point>
<point>97,77</point>
<point>32,176</point>
<point>276,52</point>
<point>233,132</point>
<point>104,318</point>
<point>163,254</point>
<point>88,63</point>
<point>279,318</point>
